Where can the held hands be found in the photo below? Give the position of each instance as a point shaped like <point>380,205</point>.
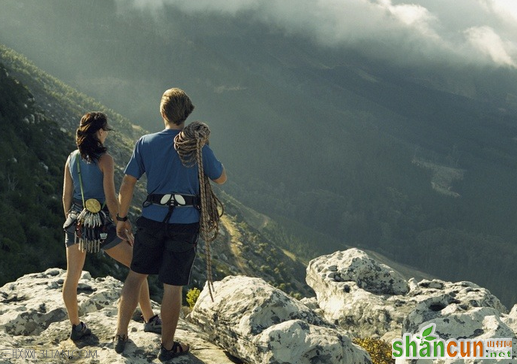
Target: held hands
<point>124,231</point>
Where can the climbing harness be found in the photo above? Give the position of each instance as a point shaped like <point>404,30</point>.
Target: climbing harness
<point>172,200</point>
<point>189,144</point>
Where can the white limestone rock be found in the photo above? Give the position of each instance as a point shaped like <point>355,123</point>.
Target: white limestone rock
<point>475,315</point>
<point>253,321</point>
<point>34,326</point>
<point>511,319</point>
<point>354,265</point>
<point>457,304</point>
<point>454,322</point>
<point>460,310</point>
<point>296,341</point>
<point>358,294</point>
<point>390,307</point>
<point>260,324</point>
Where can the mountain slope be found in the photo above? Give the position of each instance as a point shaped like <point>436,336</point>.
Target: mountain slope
<point>34,149</point>
<point>30,204</point>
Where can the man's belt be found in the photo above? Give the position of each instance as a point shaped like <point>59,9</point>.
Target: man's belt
<point>172,199</point>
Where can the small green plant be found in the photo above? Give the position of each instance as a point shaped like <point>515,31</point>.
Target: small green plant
<point>379,350</point>
<point>192,296</point>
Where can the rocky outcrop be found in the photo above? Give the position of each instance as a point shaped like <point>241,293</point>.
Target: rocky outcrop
<point>358,294</point>
<point>34,327</point>
<point>368,299</point>
<point>260,324</point>
<point>252,322</point>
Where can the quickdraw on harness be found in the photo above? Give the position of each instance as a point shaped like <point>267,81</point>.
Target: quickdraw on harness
<point>189,144</point>
<point>90,230</point>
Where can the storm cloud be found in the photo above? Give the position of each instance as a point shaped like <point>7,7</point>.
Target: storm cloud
<point>460,31</point>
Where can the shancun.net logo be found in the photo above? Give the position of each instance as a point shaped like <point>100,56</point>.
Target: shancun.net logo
<point>428,345</point>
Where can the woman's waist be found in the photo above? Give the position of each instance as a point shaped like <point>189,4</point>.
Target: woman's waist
<point>87,193</point>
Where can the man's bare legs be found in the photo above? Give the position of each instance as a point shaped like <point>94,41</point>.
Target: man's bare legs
<point>129,300</point>
<point>122,253</point>
<point>170,312</point>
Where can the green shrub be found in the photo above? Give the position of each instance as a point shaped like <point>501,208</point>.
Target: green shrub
<point>379,350</point>
<point>192,296</point>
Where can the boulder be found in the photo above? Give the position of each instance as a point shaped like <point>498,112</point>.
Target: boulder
<point>358,294</point>
<point>462,309</point>
<point>354,265</point>
<point>369,299</point>
<point>260,324</point>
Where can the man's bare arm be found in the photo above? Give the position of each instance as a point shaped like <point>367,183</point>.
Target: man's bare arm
<point>221,179</point>
<point>125,196</point>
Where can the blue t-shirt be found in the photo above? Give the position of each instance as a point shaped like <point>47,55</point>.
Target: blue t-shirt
<point>154,155</point>
<point>91,177</point>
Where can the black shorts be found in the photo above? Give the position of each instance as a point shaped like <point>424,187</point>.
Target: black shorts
<point>168,250</point>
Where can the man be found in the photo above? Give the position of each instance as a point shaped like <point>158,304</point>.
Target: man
<point>165,243</point>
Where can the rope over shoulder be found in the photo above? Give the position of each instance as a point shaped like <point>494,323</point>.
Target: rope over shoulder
<point>189,145</point>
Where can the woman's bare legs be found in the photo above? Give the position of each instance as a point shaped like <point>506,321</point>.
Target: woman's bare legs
<point>74,266</point>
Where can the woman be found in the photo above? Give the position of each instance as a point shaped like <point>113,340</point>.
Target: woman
<point>95,181</point>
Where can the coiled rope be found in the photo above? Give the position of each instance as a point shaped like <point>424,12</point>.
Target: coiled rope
<point>189,145</point>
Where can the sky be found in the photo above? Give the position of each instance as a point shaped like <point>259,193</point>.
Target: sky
<point>453,31</point>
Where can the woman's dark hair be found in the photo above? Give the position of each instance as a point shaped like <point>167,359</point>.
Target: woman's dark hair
<point>89,146</point>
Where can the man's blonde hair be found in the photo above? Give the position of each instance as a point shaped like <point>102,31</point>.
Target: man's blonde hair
<point>176,106</point>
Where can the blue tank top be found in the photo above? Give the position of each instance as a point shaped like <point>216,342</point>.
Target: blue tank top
<point>91,176</point>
